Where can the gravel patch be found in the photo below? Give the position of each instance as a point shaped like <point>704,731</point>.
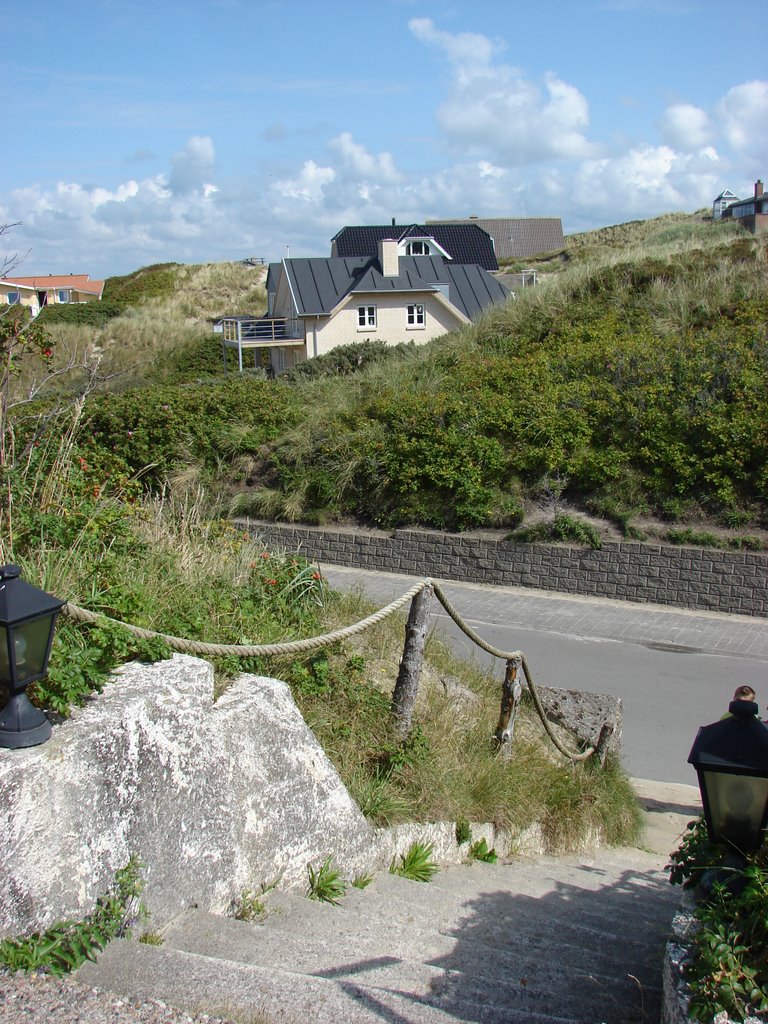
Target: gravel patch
<point>43,999</point>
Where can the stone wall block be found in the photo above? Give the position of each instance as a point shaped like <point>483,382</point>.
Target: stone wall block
<point>692,577</point>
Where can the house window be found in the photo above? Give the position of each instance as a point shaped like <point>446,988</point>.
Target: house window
<point>417,249</point>
<point>14,298</point>
<point>416,316</point>
<point>64,295</point>
<point>366,317</point>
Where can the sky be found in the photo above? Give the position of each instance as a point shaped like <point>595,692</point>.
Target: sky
<point>209,130</point>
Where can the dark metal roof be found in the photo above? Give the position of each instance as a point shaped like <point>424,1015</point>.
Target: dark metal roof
<point>318,284</point>
<point>516,238</point>
<point>463,242</point>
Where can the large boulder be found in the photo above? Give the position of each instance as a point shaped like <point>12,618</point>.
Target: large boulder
<point>212,797</point>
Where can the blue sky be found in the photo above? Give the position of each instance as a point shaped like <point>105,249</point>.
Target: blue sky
<point>208,130</point>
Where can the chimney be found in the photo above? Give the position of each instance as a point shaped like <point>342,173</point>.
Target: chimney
<point>393,222</point>
<point>758,188</point>
<point>388,257</point>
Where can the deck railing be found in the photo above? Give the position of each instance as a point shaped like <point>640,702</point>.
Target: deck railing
<point>261,330</point>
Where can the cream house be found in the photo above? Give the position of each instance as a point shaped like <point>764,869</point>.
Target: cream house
<point>49,290</point>
<point>316,304</point>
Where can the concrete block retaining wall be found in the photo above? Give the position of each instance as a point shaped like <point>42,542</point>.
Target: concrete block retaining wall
<point>688,577</point>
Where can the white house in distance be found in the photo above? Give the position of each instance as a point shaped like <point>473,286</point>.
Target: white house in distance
<point>49,290</point>
<point>316,304</point>
<point>721,203</point>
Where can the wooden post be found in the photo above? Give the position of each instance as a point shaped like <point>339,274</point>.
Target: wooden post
<point>511,689</point>
<point>409,676</point>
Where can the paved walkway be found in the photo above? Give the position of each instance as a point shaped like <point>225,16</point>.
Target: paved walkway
<point>657,626</point>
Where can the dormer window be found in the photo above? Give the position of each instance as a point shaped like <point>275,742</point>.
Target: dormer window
<point>417,249</point>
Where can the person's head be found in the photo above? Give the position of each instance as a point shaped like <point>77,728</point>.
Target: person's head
<point>744,693</point>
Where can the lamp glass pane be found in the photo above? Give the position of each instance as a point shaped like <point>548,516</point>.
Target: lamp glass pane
<point>737,806</point>
<point>5,668</point>
<point>30,643</point>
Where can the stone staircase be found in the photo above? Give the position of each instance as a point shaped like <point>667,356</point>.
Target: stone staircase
<point>553,941</point>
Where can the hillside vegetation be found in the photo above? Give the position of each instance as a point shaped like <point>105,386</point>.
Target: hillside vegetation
<point>153,324</point>
<point>632,384</point>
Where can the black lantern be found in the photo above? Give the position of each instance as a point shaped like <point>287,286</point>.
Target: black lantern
<point>27,621</point>
<point>731,760</point>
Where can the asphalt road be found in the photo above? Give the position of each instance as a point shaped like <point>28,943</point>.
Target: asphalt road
<point>674,669</point>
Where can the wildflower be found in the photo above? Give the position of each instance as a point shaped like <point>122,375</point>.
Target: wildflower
<point>47,352</point>
<point>129,433</point>
<point>316,576</point>
<point>265,554</point>
<point>273,582</point>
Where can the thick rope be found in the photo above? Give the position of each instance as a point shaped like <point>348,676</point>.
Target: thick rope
<point>298,646</point>
<point>510,656</point>
<point>178,643</point>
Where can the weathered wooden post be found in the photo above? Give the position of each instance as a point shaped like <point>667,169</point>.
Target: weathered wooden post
<point>409,676</point>
<point>511,690</point>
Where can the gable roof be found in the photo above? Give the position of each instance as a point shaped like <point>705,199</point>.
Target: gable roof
<point>80,282</point>
<point>516,238</point>
<point>726,194</point>
<point>318,284</point>
<point>463,242</point>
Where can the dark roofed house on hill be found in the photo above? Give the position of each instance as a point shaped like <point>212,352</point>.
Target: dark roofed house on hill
<point>751,213</point>
<point>516,238</point>
<point>456,243</point>
<point>316,304</point>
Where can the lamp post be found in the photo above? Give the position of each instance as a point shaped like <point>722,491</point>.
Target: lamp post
<point>27,621</point>
<point>731,761</point>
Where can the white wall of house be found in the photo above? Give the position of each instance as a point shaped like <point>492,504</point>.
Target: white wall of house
<point>391,321</point>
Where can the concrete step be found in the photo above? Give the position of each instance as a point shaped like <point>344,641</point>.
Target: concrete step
<point>424,962</point>
<point>573,939</point>
<point>205,984</point>
<point>571,916</point>
<point>513,929</point>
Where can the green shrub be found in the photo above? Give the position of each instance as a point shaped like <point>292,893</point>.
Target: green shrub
<point>463,831</point>
<point>345,360</point>
<point>67,945</point>
<point>156,281</point>
<point>86,314</point>
<point>416,863</point>
<point>728,970</point>
<point>326,883</point>
<point>561,528</point>
<point>152,430</point>
<point>480,851</point>
<point>199,357</point>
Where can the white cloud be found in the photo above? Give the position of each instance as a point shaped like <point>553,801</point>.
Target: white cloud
<point>356,160</point>
<point>309,185</point>
<point>645,181</point>
<point>516,147</point>
<point>686,127</point>
<point>744,115</point>
<point>192,166</point>
<point>494,109</point>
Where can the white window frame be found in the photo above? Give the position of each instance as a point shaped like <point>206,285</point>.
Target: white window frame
<point>419,244</point>
<point>366,318</point>
<point>14,298</point>
<point>416,316</point>
<point>63,295</point>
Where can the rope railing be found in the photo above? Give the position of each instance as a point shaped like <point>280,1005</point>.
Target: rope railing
<point>186,646</point>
